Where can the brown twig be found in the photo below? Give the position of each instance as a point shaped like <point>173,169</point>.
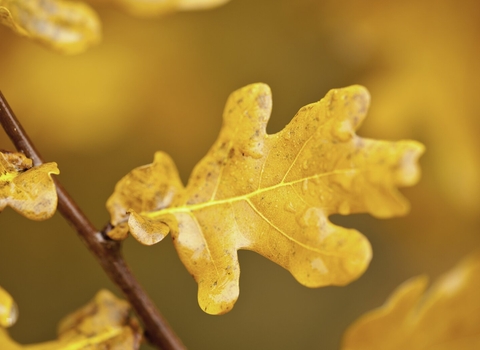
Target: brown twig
<point>107,251</point>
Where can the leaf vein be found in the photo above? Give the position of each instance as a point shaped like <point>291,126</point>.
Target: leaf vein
<point>296,157</point>
<point>303,245</point>
<point>199,206</point>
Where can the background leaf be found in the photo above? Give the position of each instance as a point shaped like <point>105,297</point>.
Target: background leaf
<point>447,316</point>
<point>149,8</point>
<point>66,26</point>
<point>104,323</point>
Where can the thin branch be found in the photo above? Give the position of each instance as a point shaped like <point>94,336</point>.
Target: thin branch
<point>107,251</point>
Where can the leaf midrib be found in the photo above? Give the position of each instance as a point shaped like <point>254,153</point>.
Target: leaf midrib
<point>187,208</point>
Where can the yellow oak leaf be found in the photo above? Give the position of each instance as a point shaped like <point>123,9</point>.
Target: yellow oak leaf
<point>149,8</point>
<point>66,26</point>
<point>104,323</point>
<point>445,317</point>
<point>272,194</point>
<point>29,190</point>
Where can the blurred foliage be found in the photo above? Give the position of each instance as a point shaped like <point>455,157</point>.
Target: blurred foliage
<point>71,27</point>
<point>152,8</point>
<point>445,317</point>
<point>67,26</point>
<point>161,84</point>
<point>104,323</point>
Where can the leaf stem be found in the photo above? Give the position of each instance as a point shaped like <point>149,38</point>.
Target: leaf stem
<point>106,251</point>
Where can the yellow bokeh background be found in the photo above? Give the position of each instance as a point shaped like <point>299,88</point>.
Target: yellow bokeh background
<point>161,84</point>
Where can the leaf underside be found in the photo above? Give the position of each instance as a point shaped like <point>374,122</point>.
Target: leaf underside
<point>272,194</point>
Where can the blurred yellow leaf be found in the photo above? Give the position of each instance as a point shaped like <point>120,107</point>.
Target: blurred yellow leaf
<point>8,309</point>
<point>65,26</point>
<point>104,323</point>
<point>445,317</point>
<point>272,194</point>
<point>29,190</point>
<point>150,8</point>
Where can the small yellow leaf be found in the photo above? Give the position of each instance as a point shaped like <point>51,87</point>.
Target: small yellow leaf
<point>8,309</point>
<point>150,8</point>
<point>29,190</point>
<point>445,317</point>
<point>104,323</point>
<point>66,26</point>
<point>272,194</point>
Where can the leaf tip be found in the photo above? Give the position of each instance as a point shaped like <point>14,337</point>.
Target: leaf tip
<point>247,108</point>
<point>349,107</point>
<point>217,300</point>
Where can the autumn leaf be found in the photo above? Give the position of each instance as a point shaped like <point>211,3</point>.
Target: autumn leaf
<point>29,190</point>
<point>272,194</point>
<point>66,26</point>
<point>447,316</point>
<point>104,323</point>
<point>149,8</point>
